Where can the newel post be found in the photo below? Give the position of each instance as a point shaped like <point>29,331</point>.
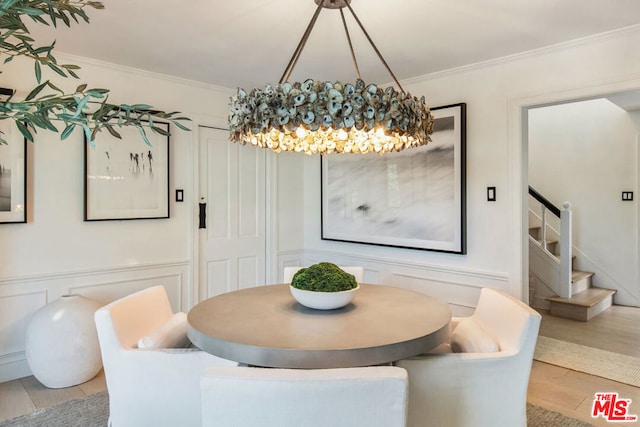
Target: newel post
<point>565,251</point>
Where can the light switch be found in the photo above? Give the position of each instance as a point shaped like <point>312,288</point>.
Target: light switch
<point>491,194</point>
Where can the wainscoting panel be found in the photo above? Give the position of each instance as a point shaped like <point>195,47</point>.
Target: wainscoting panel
<point>460,288</point>
<point>20,297</point>
<point>15,313</point>
<point>288,259</point>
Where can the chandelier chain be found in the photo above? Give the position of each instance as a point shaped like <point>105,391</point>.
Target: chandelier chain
<point>303,41</point>
<point>353,54</point>
<point>375,48</point>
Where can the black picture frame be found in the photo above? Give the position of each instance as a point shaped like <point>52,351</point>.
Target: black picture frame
<point>126,179</point>
<point>413,199</point>
<point>13,175</point>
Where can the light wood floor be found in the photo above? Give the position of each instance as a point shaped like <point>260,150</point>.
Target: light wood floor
<point>25,395</point>
<point>552,387</point>
<point>572,393</point>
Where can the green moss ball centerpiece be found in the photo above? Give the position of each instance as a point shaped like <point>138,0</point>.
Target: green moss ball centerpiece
<point>323,277</point>
<point>323,286</point>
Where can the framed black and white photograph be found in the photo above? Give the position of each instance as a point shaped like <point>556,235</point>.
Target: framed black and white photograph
<point>13,175</point>
<point>414,198</point>
<point>126,178</point>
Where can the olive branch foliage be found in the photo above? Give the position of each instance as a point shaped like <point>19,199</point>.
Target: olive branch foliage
<point>46,103</point>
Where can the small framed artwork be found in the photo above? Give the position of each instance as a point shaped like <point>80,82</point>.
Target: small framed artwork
<point>126,178</point>
<point>411,199</point>
<point>13,175</point>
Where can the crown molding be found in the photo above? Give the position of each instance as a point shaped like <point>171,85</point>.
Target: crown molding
<point>568,45</point>
<point>144,73</point>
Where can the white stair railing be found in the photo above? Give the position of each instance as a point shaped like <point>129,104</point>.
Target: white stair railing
<point>565,251</point>
<point>563,287</point>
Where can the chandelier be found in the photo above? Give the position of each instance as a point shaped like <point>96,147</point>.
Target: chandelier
<point>327,117</point>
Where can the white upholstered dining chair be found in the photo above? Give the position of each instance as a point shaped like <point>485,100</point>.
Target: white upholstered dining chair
<point>484,384</point>
<point>358,272</point>
<point>150,386</point>
<point>345,397</point>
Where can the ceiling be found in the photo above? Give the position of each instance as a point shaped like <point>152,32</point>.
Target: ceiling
<point>248,43</point>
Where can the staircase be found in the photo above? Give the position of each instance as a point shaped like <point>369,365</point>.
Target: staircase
<point>555,284</point>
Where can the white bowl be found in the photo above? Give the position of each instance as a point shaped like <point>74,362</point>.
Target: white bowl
<point>323,300</point>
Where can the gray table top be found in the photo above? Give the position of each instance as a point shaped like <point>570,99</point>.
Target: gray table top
<point>266,326</point>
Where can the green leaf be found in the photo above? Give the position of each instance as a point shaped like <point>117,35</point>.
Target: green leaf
<point>159,130</point>
<point>140,107</point>
<point>144,136</point>
<point>42,49</point>
<point>54,87</point>
<point>52,15</point>
<point>181,126</point>
<point>24,131</point>
<point>57,69</point>
<point>81,104</point>
<point>81,88</point>
<point>65,18</point>
<point>87,134</point>
<point>30,11</point>
<point>36,91</point>
<point>112,131</point>
<point>7,4</point>
<point>39,19</point>
<point>67,131</point>
<point>38,72</point>
<point>94,94</point>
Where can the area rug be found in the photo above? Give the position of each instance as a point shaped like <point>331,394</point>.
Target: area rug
<point>89,411</point>
<point>93,411</point>
<point>593,361</point>
<point>540,417</point>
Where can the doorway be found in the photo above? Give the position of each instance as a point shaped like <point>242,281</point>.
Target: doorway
<point>232,234</point>
<point>584,151</point>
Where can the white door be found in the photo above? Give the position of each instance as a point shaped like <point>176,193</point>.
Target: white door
<point>232,184</point>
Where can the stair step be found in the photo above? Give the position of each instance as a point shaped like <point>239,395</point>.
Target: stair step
<point>577,275</point>
<point>584,305</point>
<point>552,245</point>
<point>535,232</point>
<point>580,281</point>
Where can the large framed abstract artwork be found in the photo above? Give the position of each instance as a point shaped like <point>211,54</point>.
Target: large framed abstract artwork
<point>13,175</point>
<point>126,178</point>
<point>410,199</point>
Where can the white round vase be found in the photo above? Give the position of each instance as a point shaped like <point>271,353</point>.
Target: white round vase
<point>62,343</point>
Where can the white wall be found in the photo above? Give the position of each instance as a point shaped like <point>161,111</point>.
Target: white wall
<point>56,252</point>
<point>497,93</point>
<point>586,153</point>
<point>286,236</point>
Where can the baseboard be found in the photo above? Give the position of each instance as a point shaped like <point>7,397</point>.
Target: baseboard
<point>13,367</point>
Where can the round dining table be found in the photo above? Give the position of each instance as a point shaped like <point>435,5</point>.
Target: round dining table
<point>265,326</point>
